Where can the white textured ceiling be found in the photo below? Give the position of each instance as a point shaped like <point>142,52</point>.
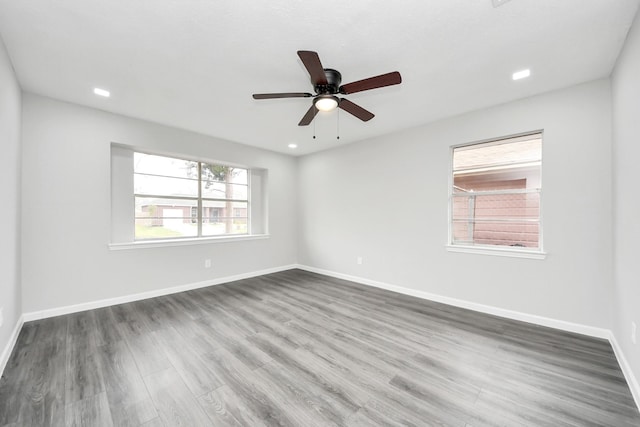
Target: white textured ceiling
<point>194,64</point>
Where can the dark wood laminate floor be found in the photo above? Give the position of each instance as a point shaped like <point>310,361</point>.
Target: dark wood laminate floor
<point>300,349</point>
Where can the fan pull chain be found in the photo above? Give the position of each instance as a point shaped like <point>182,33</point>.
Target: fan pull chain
<point>338,130</point>
<point>314,129</point>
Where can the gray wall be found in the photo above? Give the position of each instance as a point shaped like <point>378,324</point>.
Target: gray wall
<point>66,209</point>
<point>10,112</point>
<point>385,199</point>
<point>626,195</point>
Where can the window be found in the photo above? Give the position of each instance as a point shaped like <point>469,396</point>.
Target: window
<point>495,194</point>
<point>184,198</point>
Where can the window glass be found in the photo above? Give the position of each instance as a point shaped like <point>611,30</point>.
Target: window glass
<point>496,191</point>
<point>183,198</point>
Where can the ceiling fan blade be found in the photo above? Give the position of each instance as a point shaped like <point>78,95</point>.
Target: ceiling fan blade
<point>383,80</point>
<point>313,65</point>
<point>281,95</point>
<point>308,117</point>
<point>356,110</point>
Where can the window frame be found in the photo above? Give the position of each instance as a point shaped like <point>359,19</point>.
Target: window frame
<point>199,199</point>
<point>496,250</point>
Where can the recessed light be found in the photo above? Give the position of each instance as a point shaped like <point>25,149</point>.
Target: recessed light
<point>292,145</point>
<point>101,92</point>
<point>522,74</point>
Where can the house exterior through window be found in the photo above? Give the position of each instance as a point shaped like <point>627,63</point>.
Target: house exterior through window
<point>184,198</point>
<point>495,196</point>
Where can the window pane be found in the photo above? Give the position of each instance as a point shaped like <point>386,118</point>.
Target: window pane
<point>512,179</point>
<point>496,206</point>
<point>495,199</point>
<point>167,198</point>
<point>499,154</point>
<point>164,218</point>
<point>224,217</point>
<point>164,186</point>
<point>165,166</point>
<point>221,173</point>
<point>223,190</point>
<point>502,233</point>
<point>239,176</point>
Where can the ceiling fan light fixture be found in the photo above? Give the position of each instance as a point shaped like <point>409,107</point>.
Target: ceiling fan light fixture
<point>326,102</point>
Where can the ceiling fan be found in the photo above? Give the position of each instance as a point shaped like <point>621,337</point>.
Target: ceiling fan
<point>326,84</point>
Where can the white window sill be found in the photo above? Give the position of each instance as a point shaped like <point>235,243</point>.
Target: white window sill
<point>163,243</point>
<point>498,251</point>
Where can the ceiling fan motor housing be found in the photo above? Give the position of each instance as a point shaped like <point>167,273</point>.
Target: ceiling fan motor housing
<point>334,78</point>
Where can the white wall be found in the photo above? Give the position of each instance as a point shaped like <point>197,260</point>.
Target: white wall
<point>626,195</point>
<point>385,199</point>
<point>10,113</point>
<point>66,209</point>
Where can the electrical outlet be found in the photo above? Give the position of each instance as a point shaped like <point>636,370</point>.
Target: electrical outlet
<point>207,263</point>
<point>359,260</point>
<point>633,332</point>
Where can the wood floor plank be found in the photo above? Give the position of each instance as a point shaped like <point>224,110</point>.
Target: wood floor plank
<point>45,330</point>
<point>83,371</point>
<point>234,343</point>
<point>32,385</point>
<point>224,408</point>
<point>43,392</point>
<point>129,400</point>
<point>219,315</point>
<point>376,413</point>
<point>173,400</point>
<point>84,375</point>
<point>260,318</point>
<point>304,401</point>
<point>190,366</point>
<point>147,353</point>
<point>187,303</point>
<point>106,327</point>
<point>292,362</point>
<point>91,411</point>
<point>266,397</point>
<point>132,319</point>
<point>156,422</point>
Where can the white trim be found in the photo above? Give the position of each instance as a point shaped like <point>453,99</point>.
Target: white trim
<point>508,252</point>
<point>634,386</point>
<point>162,243</point>
<point>496,311</point>
<point>6,353</point>
<point>52,312</point>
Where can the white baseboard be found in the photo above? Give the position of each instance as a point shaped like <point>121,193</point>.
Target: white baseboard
<point>59,311</point>
<point>6,353</point>
<point>501,312</point>
<point>626,369</point>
